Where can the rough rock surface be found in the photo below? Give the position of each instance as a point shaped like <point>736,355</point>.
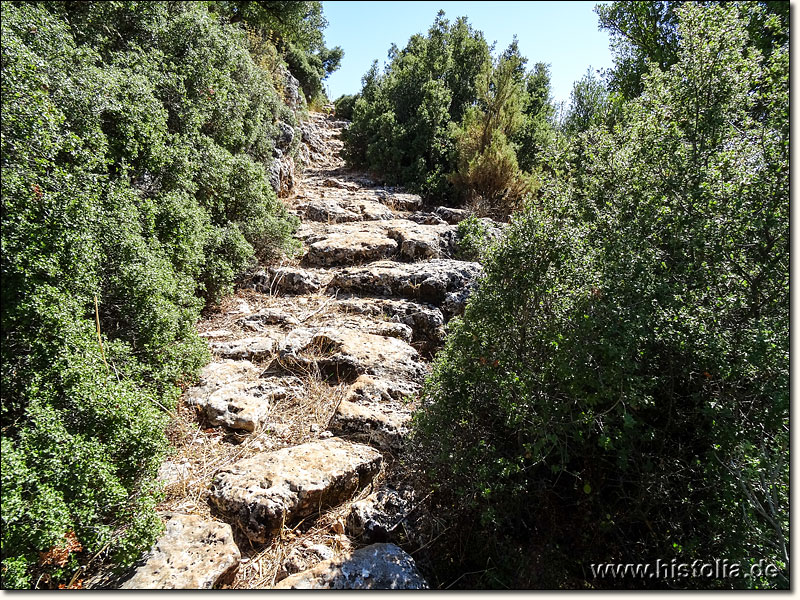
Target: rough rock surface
<point>429,281</point>
<point>426,321</point>
<point>243,404</point>
<point>376,567</point>
<point>261,493</point>
<point>451,215</point>
<point>344,354</point>
<point>193,553</point>
<point>376,518</point>
<point>286,280</point>
<point>365,241</point>
<point>247,348</point>
<point>383,427</point>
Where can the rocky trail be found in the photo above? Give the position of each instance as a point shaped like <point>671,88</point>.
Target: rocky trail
<point>286,471</point>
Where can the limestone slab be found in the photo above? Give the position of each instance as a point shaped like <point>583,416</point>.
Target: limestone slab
<point>193,553</point>
<point>261,493</point>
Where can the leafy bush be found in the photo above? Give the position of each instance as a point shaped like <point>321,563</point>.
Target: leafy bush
<point>134,137</point>
<point>428,123</point>
<point>472,239</point>
<point>617,390</point>
<point>344,106</point>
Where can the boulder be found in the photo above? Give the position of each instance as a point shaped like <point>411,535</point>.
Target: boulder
<point>225,371</point>
<point>418,242</point>
<point>376,567</point>
<point>364,241</point>
<point>281,173</point>
<point>291,90</point>
<point>328,211</point>
<point>350,248</point>
<point>303,557</point>
<point>451,215</point>
<point>344,209</point>
<point>261,493</point>
<point>397,200</point>
<point>285,136</point>
<point>193,553</point>
<point>426,218</point>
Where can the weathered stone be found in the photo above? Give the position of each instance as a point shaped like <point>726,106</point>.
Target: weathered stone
<point>304,557</point>
<point>426,321</point>
<point>261,493</point>
<point>455,302</point>
<point>285,135</point>
<point>371,210</point>
<point>342,185</point>
<point>401,331</point>
<point>291,89</point>
<point>375,518</point>
<point>425,218</point>
<point>451,215</point>
<point>346,353</point>
<point>355,242</point>
<point>281,174</point>
<point>345,209</point>
<point>385,428</point>
<point>350,248</point>
<point>242,404</point>
<point>376,567</point>
<point>286,280</point>
<point>418,242</point>
<point>328,211</point>
<point>399,201</point>
<point>193,553</point>
<point>429,281</point>
<point>249,348</point>
<point>267,316</point>
<point>371,390</point>
<point>218,373</point>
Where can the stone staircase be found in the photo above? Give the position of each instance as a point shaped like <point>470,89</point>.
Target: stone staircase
<point>313,380</point>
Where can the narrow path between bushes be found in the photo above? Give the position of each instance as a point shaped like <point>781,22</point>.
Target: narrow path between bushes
<point>286,472</point>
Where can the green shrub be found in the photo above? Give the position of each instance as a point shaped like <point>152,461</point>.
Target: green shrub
<point>134,136</point>
<point>472,239</point>
<point>404,121</point>
<point>429,121</point>
<point>344,106</point>
<point>618,389</point>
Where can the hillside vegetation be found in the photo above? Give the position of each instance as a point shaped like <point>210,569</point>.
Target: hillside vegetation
<point>135,139</point>
<point>618,387</point>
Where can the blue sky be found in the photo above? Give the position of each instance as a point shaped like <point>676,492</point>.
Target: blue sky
<point>563,34</point>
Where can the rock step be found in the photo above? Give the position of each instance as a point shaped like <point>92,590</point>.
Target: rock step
<point>443,282</point>
<point>343,354</point>
<point>193,553</point>
<point>366,241</point>
<point>375,567</point>
<point>262,493</point>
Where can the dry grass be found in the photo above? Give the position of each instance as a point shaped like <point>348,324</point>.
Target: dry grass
<point>200,452</point>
